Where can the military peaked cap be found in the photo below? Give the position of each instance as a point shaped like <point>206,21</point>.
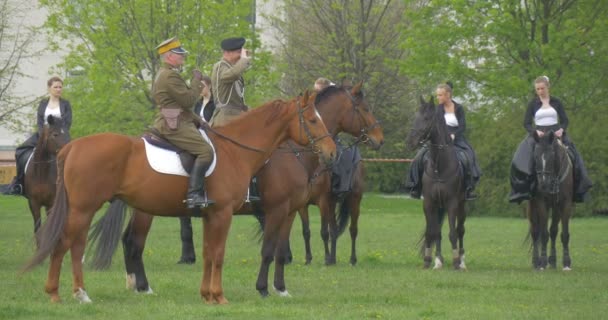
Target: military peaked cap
<point>232,44</point>
<point>172,45</point>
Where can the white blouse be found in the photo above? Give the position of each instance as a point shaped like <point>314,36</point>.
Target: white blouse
<point>55,112</point>
<point>545,116</point>
<point>450,119</point>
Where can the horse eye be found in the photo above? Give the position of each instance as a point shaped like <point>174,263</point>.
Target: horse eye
<point>313,120</point>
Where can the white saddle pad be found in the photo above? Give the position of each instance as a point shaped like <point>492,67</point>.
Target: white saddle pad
<point>167,161</point>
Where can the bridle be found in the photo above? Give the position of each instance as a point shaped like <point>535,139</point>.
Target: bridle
<point>426,137</point>
<point>555,178</point>
<point>312,142</point>
<point>356,110</point>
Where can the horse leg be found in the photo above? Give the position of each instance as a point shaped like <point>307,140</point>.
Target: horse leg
<point>431,233</point>
<point>544,236</point>
<point>534,230</point>
<point>271,230</point>
<point>216,227</point>
<point>77,252</point>
<point>188,255</point>
<point>306,232</point>
<point>553,235</point>
<point>565,237</point>
<point>35,210</point>
<point>438,256</point>
<point>454,238</point>
<point>324,209</point>
<point>333,231</point>
<point>460,231</point>
<point>133,243</point>
<point>355,202</point>
<point>279,267</point>
<point>74,230</point>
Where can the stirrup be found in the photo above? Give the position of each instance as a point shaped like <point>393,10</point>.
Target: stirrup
<point>16,189</point>
<point>198,201</point>
<point>250,198</point>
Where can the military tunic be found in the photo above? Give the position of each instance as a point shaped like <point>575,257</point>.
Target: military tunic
<point>228,88</point>
<point>170,91</point>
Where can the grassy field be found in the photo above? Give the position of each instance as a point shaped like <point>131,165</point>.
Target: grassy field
<point>388,282</point>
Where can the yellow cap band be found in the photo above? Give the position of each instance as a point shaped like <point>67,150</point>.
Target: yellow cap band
<point>166,47</point>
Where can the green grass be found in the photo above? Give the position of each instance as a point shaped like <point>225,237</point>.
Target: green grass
<point>388,282</point>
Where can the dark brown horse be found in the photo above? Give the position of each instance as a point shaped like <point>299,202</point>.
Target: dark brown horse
<point>97,168</point>
<point>284,184</point>
<point>41,173</point>
<point>553,193</point>
<point>442,184</point>
<point>292,178</point>
<point>332,226</point>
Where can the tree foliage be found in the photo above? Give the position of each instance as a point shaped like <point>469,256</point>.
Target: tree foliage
<point>16,46</point>
<point>492,51</point>
<point>355,41</point>
<point>112,58</point>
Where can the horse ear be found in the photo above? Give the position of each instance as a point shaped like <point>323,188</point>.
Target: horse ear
<point>50,120</point>
<point>305,97</point>
<point>347,83</point>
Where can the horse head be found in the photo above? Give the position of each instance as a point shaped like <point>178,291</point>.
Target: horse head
<point>370,131</point>
<point>54,135</point>
<point>308,129</point>
<point>547,162</point>
<point>423,124</point>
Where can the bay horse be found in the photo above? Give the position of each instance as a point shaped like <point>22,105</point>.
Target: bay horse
<point>332,226</point>
<point>284,184</point>
<point>553,192</point>
<point>40,178</point>
<point>97,168</point>
<point>442,185</point>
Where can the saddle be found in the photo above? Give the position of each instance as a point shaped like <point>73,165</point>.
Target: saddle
<point>154,137</point>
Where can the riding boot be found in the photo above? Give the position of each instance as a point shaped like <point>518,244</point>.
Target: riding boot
<point>16,186</point>
<point>469,185</point>
<point>188,255</point>
<point>196,184</point>
<point>413,183</point>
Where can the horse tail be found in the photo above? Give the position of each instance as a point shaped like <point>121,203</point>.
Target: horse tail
<point>50,232</point>
<point>105,234</point>
<point>343,213</point>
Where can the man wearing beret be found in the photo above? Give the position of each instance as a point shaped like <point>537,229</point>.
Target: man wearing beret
<point>227,81</point>
<point>177,121</point>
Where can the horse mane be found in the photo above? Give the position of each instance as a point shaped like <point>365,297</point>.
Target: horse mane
<point>327,92</point>
<point>272,110</point>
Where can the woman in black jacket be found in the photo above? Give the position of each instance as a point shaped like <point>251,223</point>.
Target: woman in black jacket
<point>55,106</point>
<point>453,113</point>
<point>544,113</point>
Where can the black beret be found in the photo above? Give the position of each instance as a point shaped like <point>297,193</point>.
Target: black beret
<point>232,44</point>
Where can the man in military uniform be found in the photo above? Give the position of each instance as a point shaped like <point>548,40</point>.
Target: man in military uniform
<point>177,121</point>
<point>227,81</point>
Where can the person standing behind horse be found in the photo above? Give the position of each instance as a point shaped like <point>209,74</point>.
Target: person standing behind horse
<point>544,113</point>
<point>176,121</point>
<point>205,105</point>
<point>227,83</point>
<point>455,119</point>
<point>54,105</point>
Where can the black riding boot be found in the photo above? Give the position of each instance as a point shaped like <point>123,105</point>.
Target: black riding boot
<point>413,183</point>
<point>188,255</point>
<point>195,197</point>
<point>16,186</point>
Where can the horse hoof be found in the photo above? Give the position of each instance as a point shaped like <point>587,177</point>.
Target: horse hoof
<point>55,298</point>
<point>221,300</point>
<point>283,293</point>
<point>145,291</point>
<point>186,261</point>
<point>438,264</point>
<point>82,296</point>
<point>567,269</point>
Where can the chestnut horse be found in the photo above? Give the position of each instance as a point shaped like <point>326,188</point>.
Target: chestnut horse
<point>442,184</point>
<point>553,192</point>
<point>284,184</point>
<point>97,168</point>
<point>41,175</point>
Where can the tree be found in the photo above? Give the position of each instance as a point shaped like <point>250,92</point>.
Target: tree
<point>492,51</point>
<point>113,60</point>
<point>16,39</point>
<point>340,39</point>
